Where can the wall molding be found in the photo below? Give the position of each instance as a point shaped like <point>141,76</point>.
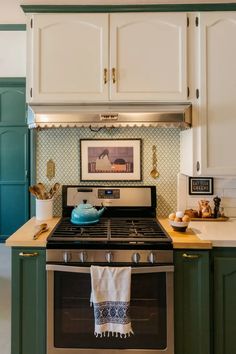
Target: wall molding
<point>13,81</point>
<point>12,27</point>
<point>129,8</point>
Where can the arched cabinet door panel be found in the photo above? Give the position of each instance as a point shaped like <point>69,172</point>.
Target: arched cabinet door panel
<point>148,52</point>
<point>14,156</point>
<point>217,110</point>
<point>14,203</point>
<point>12,106</point>
<point>69,56</point>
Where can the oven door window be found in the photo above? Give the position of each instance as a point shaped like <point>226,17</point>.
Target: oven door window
<point>74,320</point>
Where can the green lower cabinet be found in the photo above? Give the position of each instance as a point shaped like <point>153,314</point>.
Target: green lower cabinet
<point>224,287</point>
<point>28,301</point>
<point>191,302</point>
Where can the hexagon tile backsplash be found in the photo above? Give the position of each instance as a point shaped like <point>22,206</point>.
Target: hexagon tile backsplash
<point>63,147</point>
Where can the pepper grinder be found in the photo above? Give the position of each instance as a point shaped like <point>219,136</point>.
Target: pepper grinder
<point>217,201</point>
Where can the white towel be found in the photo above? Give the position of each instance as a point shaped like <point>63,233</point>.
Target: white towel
<point>111,299</point>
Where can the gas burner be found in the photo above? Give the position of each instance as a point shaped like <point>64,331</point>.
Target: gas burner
<point>135,233</point>
<point>128,222</point>
<point>111,232</point>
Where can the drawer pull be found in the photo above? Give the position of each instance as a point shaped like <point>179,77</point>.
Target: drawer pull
<point>23,254</point>
<point>191,256</point>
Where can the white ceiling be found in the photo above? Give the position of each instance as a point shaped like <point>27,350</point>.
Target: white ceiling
<point>11,12</point>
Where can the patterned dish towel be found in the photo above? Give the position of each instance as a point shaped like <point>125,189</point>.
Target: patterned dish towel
<point>111,299</point>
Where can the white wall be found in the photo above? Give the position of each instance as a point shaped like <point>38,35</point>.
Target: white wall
<point>13,55</point>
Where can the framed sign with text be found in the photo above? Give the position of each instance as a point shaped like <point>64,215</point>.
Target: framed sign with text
<point>200,185</point>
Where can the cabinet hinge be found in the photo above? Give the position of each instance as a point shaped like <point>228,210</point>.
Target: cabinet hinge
<point>198,166</point>
<point>197,93</point>
<point>31,23</point>
<point>187,21</point>
<point>197,21</point>
<point>188,92</point>
<point>31,92</point>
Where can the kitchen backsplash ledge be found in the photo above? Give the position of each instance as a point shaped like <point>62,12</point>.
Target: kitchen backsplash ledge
<point>62,146</point>
<point>224,188</point>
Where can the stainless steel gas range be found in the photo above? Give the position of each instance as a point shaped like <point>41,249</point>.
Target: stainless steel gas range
<point>127,234</point>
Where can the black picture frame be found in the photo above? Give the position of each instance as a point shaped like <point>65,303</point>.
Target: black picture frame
<point>88,164</point>
<point>201,186</point>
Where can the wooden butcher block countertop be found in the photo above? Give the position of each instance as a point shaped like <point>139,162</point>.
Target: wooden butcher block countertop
<point>23,237</point>
<point>187,239</point>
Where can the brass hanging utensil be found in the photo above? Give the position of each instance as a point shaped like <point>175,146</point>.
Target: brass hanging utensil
<point>154,173</point>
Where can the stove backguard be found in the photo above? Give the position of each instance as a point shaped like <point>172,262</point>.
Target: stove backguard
<point>119,201</point>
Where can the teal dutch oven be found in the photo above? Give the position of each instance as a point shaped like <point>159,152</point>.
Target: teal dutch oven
<point>86,214</point>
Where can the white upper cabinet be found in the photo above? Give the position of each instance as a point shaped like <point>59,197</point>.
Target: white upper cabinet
<point>217,108</point>
<point>148,56</point>
<point>101,57</point>
<point>68,58</point>
<point>208,148</point>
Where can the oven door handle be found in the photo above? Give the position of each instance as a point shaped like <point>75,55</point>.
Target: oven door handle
<point>86,270</point>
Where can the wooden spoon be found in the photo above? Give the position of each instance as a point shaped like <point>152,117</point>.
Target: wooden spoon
<point>54,190</point>
<point>154,173</point>
<point>42,189</point>
<point>36,191</point>
<point>40,229</point>
<point>33,191</point>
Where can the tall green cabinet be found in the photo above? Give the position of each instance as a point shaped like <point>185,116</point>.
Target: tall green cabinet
<point>28,301</point>
<point>14,156</point>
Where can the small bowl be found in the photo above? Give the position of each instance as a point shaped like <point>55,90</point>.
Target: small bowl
<point>179,225</point>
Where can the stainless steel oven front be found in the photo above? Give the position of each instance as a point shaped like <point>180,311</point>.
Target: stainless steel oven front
<point>70,321</point>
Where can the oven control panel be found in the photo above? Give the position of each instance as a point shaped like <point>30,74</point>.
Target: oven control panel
<point>110,196</point>
<point>109,193</point>
<point>92,256</point>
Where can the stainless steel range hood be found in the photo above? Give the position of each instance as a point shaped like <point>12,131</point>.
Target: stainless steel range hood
<point>110,115</point>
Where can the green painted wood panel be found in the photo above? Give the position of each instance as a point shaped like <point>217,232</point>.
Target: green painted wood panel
<point>191,307</point>
<point>14,156</point>
<point>224,303</point>
<point>14,153</point>
<point>12,27</point>
<point>12,106</point>
<point>14,196</point>
<point>28,301</point>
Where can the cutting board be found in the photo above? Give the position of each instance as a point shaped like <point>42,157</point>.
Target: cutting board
<point>221,218</point>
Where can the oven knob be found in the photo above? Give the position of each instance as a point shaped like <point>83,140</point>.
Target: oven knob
<point>83,256</point>
<point>136,257</point>
<point>109,257</point>
<point>152,257</point>
<point>66,257</point>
